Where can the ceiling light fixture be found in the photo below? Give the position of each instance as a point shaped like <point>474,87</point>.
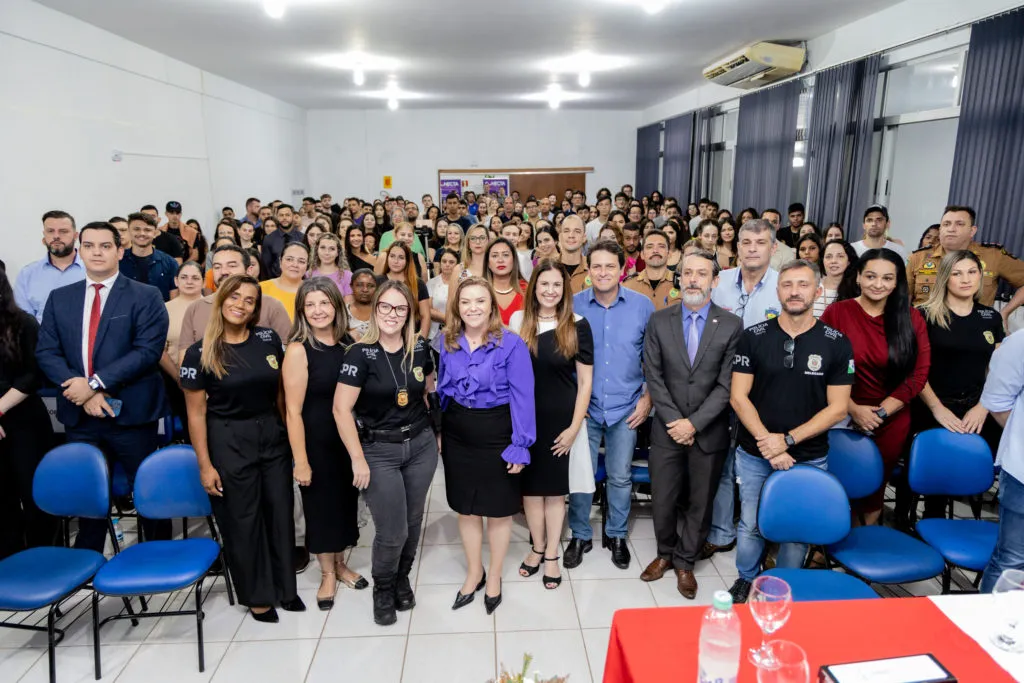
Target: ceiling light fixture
<point>274,8</point>
<point>358,77</point>
<point>584,79</point>
<point>554,96</point>
<point>653,6</point>
<point>392,103</point>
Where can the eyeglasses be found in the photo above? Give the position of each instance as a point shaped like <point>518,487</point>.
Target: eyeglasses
<point>293,259</point>
<point>789,346</point>
<point>478,238</point>
<point>384,308</point>
<point>744,298</point>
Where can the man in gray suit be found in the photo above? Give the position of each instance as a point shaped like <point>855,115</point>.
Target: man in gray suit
<point>688,357</point>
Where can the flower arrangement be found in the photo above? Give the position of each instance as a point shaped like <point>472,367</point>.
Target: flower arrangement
<point>522,677</point>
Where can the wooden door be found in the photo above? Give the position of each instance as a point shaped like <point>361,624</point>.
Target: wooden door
<point>543,184</point>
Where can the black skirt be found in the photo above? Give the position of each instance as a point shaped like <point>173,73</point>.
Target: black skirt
<point>475,476</point>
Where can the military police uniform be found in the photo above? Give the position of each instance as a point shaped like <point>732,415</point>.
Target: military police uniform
<point>996,263</point>
<point>665,294</point>
<point>580,278</point>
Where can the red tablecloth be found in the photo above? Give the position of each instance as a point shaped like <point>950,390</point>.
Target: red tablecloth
<point>648,645</point>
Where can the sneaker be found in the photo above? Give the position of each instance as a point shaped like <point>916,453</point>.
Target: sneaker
<point>740,591</point>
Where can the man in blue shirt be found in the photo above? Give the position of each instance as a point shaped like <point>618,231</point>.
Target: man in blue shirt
<point>619,403</point>
<point>750,292</point>
<point>1004,398</point>
<point>61,266</point>
<point>144,263</point>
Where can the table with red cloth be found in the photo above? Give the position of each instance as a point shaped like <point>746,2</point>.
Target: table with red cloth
<point>661,644</point>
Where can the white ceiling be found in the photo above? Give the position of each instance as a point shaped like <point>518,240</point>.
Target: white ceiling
<point>462,54</point>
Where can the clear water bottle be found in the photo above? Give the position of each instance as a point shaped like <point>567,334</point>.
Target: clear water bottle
<point>118,531</point>
<point>720,635</point>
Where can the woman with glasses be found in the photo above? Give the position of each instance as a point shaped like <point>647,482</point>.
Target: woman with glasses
<point>381,409</point>
<point>294,260</point>
<point>322,468</point>
<point>892,356</point>
<point>232,383</point>
<point>485,385</point>
<point>474,258</point>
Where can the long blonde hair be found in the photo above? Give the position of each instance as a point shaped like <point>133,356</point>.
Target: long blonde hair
<point>214,348</point>
<point>565,321</point>
<point>936,309</point>
<point>454,327</point>
<point>372,335</point>
<point>301,329</point>
<point>314,257</point>
<point>467,255</point>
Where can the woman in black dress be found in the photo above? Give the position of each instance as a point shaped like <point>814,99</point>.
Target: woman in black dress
<point>25,430</point>
<point>562,350</point>
<point>322,467</point>
<point>232,380</point>
<point>355,249</point>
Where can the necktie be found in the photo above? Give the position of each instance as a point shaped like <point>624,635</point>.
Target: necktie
<point>692,339</point>
<point>94,322</point>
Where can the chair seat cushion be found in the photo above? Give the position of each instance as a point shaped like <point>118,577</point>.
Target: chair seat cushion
<point>39,577</point>
<point>820,584</point>
<point>884,555</point>
<point>965,543</point>
<point>156,567</point>
<point>640,474</point>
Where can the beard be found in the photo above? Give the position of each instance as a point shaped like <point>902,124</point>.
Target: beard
<point>797,307</point>
<point>59,249</point>
<point>695,298</point>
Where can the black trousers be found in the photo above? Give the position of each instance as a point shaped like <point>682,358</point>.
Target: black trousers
<point>684,480</point>
<point>29,435</point>
<point>129,445</point>
<point>255,513</point>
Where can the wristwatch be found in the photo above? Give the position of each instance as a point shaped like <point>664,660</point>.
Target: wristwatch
<point>881,413</point>
<point>94,383</point>
<point>790,441</point>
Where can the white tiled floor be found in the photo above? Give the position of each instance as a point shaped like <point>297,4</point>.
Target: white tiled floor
<point>565,630</point>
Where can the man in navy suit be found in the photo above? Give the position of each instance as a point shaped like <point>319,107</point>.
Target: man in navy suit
<point>101,341</point>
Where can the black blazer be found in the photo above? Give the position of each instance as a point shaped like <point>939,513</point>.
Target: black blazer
<point>699,393</point>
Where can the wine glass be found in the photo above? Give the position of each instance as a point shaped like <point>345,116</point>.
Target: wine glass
<point>1010,634</point>
<point>788,665</point>
<point>769,603</point>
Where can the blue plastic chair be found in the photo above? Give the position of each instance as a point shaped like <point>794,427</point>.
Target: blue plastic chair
<point>807,505</point>
<point>71,481</point>
<point>875,553</point>
<point>167,485</point>
<point>946,464</point>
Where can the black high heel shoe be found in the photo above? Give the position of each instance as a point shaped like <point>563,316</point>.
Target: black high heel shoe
<point>551,582</point>
<point>268,617</point>
<point>462,600</point>
<point>528,570</point>
<point>491,604</point>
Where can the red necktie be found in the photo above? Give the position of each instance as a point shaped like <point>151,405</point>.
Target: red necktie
<point>94,322</point>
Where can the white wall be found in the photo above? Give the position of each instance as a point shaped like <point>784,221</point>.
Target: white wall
<point>897,25</point>
<point>350,151</point>
<point>74,93</point>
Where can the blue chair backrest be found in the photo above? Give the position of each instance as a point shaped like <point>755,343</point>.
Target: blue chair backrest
<point>72,481</point>
<point>854,459</point>
<point>948,464</point>
<point>803,505</point>
<point>167,485</point>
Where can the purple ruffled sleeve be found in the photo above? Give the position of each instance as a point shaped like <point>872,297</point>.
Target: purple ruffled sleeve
<point>524,414</point>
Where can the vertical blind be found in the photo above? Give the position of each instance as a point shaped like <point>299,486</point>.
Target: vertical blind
<point>764,146</point>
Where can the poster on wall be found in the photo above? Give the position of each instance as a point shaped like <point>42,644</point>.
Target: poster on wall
<point>449,185</point>
<point>496,184</point>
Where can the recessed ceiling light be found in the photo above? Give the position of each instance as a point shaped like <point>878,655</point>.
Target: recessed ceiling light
<point>356,60</point>
<point>393,103</point>
<point>648,6</point>
<point>554,92</point>
<point>584,79</point>
<point>578,62</point>
<point>274,8</point>
<point>358,77</point>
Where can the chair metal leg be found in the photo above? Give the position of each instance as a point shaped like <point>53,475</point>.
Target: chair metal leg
<point>145,607</point>
<point>51,644</point>
<point>223,560</point>
<point>128,606</point>
<point>947,575</point>
<point>96,632</point>
<point>199,624</point>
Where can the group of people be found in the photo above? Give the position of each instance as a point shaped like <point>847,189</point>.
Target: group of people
<point>339,350</point>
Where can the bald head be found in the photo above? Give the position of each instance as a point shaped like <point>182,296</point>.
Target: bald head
<point>572,234</point>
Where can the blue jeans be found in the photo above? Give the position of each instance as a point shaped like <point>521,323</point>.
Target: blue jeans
<point>723,529</point>
<point>1009,552</point>
<point>619,443</point>
<point>753,471</point>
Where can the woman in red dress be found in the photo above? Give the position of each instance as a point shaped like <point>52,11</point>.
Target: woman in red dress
<point>891,356</point>
<point>503,274</point>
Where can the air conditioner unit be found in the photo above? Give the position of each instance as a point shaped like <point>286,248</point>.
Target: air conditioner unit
<point>757,65</point>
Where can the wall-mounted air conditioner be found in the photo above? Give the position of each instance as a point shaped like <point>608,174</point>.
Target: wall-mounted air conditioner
<point>757,65</point>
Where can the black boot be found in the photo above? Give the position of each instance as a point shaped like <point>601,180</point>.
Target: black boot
<point>384,600</point>
<point>405,599</point>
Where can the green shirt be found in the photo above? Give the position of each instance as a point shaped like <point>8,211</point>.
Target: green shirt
<point>389,237</point>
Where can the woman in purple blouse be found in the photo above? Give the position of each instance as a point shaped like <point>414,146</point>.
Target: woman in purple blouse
<point>485,384</point>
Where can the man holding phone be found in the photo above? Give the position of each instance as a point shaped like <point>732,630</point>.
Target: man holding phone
<point>100,341</point>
